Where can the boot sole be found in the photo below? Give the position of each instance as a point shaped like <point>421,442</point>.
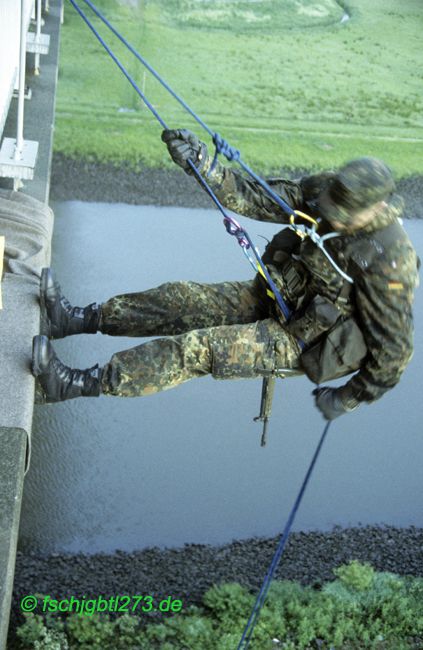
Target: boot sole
<point>43,286</point>
<point>44,321</point>
<point>37,344</point>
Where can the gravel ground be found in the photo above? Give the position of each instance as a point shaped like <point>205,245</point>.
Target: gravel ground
<point>189,571</point>
<point>192,569</point>
<point>89,181</point>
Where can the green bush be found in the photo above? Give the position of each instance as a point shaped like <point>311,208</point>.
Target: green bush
<point>359,609</point>
<point>354,575</point>
<point>42,634</point>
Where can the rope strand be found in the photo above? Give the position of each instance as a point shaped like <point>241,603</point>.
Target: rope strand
<point>252,621</point>
<point>242,236</point>
<point>233,228</point>
<point>222,146</point>
<point>118,63</point>
<point>150,68</point>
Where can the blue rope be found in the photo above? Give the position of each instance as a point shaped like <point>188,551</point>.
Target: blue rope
<point>255,613</point>
<point>231,226</point>
<point>221,145</point>
<point>118,63</point>
<point>145,63</point>
<point>245,241</point>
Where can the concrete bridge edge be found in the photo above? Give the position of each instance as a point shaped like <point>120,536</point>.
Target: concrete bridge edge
<point>20,294</point>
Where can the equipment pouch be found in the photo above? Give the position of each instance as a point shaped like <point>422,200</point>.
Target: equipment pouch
<point>236,356</point>
<point>285,242</point>
<point>337,354</point>
<point>286,273</point>
<point>319,316</point>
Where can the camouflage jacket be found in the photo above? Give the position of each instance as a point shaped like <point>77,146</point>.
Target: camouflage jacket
<point>382,294</point>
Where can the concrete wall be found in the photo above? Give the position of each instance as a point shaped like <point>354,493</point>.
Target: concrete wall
<point>26,222</point>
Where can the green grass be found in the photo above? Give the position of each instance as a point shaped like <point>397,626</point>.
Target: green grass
<point>283,81</point>
<point>361,609</point>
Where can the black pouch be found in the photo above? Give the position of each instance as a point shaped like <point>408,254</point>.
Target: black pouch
<point>338,353</point>
<point>284,243</point>
<point>319,316</point>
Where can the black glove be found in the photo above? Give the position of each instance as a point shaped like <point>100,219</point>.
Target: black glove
<point>183,145</point>
<point>330,404</point>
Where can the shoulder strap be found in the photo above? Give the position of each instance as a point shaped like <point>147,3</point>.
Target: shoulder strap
<point>364,250</point>
<point>386,237</point>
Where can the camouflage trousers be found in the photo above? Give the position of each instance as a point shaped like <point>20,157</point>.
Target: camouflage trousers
<point>226,330</point>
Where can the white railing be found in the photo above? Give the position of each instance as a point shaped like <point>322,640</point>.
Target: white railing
<point>10,36</point>
<point>18,156</point>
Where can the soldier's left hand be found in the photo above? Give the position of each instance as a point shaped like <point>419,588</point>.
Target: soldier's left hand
<point>329,402</point>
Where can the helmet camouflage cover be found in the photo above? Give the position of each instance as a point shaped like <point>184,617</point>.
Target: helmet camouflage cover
<point>356,186</point>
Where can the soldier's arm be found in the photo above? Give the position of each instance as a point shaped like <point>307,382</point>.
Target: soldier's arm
<point>237,192</point>
<point>384,297</point>
<point>245,196</point>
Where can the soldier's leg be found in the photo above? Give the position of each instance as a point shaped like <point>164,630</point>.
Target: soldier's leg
<point>177,307</point>
<point>225,352</point>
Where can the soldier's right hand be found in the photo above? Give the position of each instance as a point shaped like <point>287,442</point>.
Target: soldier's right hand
<point>183,145</point>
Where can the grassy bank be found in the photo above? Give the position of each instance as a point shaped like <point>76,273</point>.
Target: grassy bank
<point>287,83</point>
<point>360,609</point>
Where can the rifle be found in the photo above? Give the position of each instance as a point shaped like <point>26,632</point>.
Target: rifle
<point>267,392</point>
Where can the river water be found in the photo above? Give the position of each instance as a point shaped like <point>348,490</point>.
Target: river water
<point>186,466</point>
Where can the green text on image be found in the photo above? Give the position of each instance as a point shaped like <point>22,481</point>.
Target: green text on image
<point>293,84</point>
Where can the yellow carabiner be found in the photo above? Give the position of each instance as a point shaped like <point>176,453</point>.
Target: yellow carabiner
<point>304,216</point>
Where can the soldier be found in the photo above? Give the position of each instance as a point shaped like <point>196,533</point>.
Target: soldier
<point>350,292</point>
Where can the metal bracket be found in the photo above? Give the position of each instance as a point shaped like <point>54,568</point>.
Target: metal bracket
<point>27,93</point>
<point>21,167</point>
<point>37,44</point>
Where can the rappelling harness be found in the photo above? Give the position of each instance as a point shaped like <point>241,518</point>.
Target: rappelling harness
<point>307,228</point>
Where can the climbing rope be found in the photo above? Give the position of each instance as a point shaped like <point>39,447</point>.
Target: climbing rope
<point>221,147</point>
<point>232,226</point>
<point>244,240</point>
<point>319,240</point>
<point>255,613</point>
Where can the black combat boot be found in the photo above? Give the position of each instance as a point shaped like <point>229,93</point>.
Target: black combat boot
<point>59,382</point>
<point>58,317</point>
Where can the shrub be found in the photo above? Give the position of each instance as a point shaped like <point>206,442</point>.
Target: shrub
<point>359,609</point>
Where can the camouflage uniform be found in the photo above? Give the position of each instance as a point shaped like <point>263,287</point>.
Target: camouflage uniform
<point>223,329</point>
<point>233,330</point>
